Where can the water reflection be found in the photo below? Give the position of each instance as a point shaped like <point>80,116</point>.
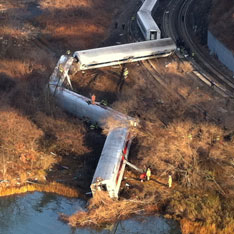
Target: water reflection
<point>38,213</point>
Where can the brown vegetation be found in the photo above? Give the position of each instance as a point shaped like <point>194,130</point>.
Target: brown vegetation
<point>104,210</point>
<point>188,227</point>
<point>69,14</point>
<point>37,139</point>
<point>198,158</point>
<point>192,147</point>
<point>179,67</point>
<point>195,153</point>
<point>20,156</point>
<point>49,188</point>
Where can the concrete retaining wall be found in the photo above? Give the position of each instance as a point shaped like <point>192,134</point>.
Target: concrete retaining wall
<point>224,55</point>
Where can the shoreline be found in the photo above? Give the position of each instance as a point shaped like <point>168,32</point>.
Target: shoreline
<point>51,187</point>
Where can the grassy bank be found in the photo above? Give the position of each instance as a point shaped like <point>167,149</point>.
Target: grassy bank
<point>53,187</point>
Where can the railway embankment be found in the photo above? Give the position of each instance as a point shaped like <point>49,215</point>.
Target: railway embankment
<point>220,32</point>
<point>221,22</point>
<point>222,52</point>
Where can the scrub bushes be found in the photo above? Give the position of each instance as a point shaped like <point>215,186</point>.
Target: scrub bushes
<point>19,148</point>
<point>196,154</point>
<point>104,210</point>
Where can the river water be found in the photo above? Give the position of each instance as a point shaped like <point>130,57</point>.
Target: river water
<point>38,213</point>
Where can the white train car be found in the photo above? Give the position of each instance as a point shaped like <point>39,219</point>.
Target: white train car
<point>82,108</point>
<point>145,21</point>
<point>148,5</point>
<point>114,55</point>
<point>110,168</point>
<point>147,25</point>
<point>111,165</point>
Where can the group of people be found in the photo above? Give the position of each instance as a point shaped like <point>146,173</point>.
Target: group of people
<point>147,174</point>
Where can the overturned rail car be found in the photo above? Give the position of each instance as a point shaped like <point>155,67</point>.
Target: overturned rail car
<point>110,168</point>
<point>111,165</point>
<point>81,106</point>
<point>118,54</point>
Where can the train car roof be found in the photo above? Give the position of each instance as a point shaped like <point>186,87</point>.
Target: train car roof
<point>148,21</point>
<point>111,155</point>
<point>148,5</point>
<point>125,51</point>
<point>80,106</point>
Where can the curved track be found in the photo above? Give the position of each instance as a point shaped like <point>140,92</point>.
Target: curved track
<point>175,24</point>
<point>152,70</point>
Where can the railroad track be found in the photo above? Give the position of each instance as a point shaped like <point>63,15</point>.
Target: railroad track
<point>175,25</point>
<point>156,76</point>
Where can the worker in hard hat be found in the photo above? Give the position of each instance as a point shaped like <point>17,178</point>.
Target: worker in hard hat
<point>93,99</point>
<point>143,176</point>
<point>169,181</point>
<point>125,74</point>
<point>148,173</point>
<point>190,136</point>
<point>61,68</point>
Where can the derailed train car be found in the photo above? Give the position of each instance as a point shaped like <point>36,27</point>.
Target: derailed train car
<point>145,21</point>
<point>113,55</point>
<point>147,25</point>
<point>111,165</point>
<point>82,108</point>
<point>79,105</point>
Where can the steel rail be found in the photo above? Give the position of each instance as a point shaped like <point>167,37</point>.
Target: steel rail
<point>152,71</point>
<point>223,79</point>
<point>176,28</point>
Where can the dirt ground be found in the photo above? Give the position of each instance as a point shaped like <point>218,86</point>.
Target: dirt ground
<point>186,129</point>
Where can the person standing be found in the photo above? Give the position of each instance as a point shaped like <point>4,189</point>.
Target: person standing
<point>125,73</point>
<point>93,98</point>
<point>170,181</point>
<point>143,176</point>
<point>148,173</point>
